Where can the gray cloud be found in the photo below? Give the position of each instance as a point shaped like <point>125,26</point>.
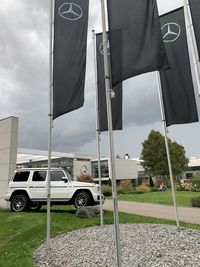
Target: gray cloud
<point>24,84</point>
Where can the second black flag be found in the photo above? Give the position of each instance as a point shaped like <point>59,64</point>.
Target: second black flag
<point>116,102</point>
<point>135,38</point>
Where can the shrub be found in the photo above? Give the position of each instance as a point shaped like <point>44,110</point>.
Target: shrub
<point>195,202</point>
<point>145,182</point>
<point>142,189</point>
<point>84,178</point>
<point>196,186</point>
<point>124,187</point>
<point>154,189</point>
<point>196,182</point>
<point>107,190</point>
<point>188,186</point>
<point>196,176</point>
<point>185,186</point>
<point>179,187</point>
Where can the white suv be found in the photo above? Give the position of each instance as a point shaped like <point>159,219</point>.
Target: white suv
<point>28,189</point>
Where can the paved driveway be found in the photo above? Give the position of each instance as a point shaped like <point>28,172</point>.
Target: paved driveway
<point>186,214</point>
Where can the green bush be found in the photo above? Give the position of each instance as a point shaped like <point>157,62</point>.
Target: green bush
<point>107,190</point>
<point>125,187</point>
<point>84,178</point>
<point>196,182</point>
<point>179,187</point>
<point>195,202</point>
<point>185,186</point>
<point>142,189</point>
<point>196,176</point>
<point>154,189</point>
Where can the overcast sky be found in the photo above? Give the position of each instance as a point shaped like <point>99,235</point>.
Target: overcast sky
<point>24,88</point>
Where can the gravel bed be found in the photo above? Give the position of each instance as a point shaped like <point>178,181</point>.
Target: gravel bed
<point>141,245</point>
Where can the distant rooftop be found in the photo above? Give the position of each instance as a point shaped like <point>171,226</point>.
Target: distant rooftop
<point>194,162</point>
<point>26,155</point>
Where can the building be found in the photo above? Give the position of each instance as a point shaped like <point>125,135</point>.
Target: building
<point>126,169</point>
<point>193,168</point>
<point>75,164</point>
<point>8,153</point>
<point>78,164</point>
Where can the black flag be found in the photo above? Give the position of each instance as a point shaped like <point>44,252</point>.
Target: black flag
<point>195,12</point>
<point>116,102</point>
<point>135,38</point>
<point>69,61</point>
<point>177,86</point>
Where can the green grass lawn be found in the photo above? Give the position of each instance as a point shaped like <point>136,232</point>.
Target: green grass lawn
<point>183,198</point>
<point>21,233</point>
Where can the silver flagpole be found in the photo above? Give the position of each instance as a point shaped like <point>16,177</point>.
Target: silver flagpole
<point>110,132</point>
<point>192,41</point>
<point>97,128</point>
<point>166,144</point>
<point>50,122</point>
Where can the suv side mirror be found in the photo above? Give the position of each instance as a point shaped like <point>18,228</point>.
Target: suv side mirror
<point>65,179</point>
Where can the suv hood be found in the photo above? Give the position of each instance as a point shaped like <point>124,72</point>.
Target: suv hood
<point>82,184</point>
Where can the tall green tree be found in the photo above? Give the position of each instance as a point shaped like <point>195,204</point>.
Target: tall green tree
<point>154,155</point>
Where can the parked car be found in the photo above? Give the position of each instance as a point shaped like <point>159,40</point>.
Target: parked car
<point>27,189</point>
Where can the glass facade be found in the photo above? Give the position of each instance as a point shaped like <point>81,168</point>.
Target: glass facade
<point>104,169</point>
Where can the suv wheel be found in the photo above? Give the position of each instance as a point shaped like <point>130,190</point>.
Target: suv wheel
<point>19,203</point>
<point>82,199</point>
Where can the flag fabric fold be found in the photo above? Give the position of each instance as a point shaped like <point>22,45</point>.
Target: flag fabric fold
<point>116,102</point>
<point>135,38</point>
<point>177,85</point>
<point>69,59</point>
<point>195,12</point>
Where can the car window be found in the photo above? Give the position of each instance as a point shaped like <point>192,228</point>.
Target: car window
<point>68,175</point>
<point>39,176</point>
<point>21,176</point>
<point>57,175</point>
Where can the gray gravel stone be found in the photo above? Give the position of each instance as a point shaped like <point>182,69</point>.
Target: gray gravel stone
<point>142,245</point>
<point>88,211</point>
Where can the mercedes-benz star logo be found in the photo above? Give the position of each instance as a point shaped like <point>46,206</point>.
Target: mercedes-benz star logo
<point>101,48</point>
<point>170,32</point>
<point>70,11</point>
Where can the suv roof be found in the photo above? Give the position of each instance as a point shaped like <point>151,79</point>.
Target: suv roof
<point>36,169</point>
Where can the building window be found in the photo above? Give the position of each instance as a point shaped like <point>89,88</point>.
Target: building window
<point>104,169</point>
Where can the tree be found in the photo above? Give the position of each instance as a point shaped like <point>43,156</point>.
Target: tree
<point>154,155</point>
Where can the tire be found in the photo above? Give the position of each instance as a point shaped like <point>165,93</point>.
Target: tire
<point>34,206</point>
<point>82,199</point>
<point>19,203</point>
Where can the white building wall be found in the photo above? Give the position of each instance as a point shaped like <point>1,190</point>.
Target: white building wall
<point>8,154</point>
<point>81,167</point>
<point>126,169</point>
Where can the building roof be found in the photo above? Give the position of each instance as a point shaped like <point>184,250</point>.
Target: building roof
<point>25,155</point>
<point>194,162</point>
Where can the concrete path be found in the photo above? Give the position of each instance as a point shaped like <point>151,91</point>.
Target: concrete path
<point>186,214</point>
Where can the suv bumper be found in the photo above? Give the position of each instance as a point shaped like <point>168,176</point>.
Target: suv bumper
<point>7,197</point>
<point>97,198</point>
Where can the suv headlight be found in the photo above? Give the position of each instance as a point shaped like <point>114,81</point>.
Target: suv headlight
<point>97,188</point>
